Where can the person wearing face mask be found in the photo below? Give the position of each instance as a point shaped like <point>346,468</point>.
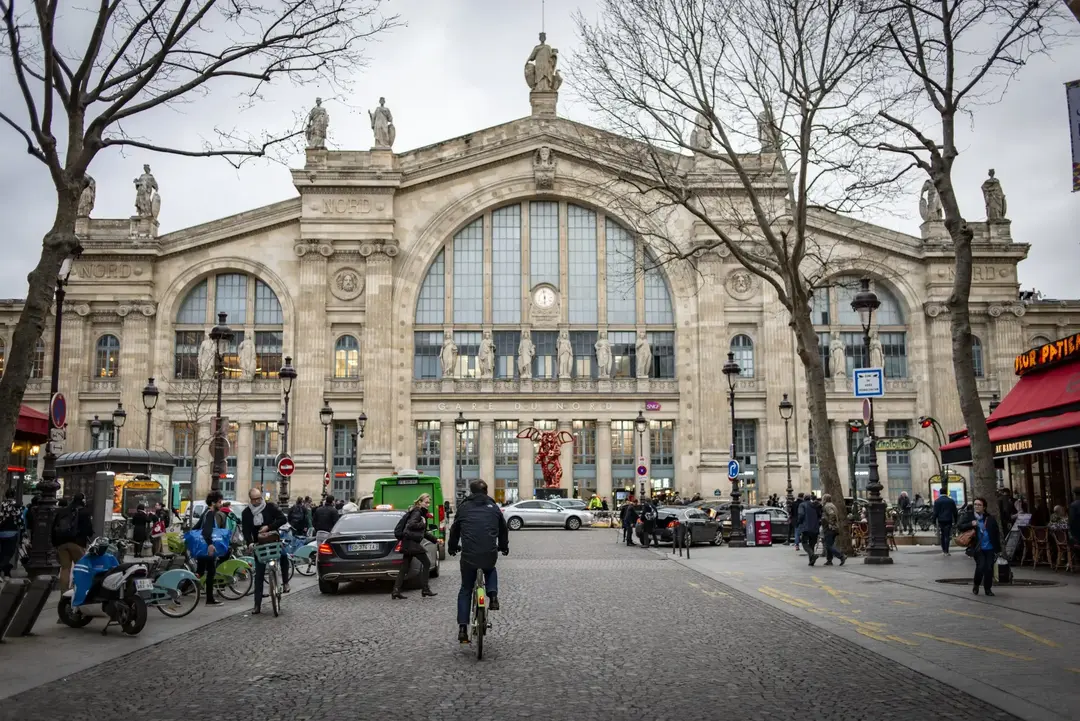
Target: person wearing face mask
<point>261,517</point>
<point>411,530</point>
<point>986,546</point>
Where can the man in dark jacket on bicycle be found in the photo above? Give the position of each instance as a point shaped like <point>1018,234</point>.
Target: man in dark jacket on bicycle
<point>479,532</point>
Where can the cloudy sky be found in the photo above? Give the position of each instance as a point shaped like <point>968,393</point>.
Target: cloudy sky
<point>456,68</point>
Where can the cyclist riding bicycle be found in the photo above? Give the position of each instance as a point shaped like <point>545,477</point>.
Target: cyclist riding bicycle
<point>479,532</point>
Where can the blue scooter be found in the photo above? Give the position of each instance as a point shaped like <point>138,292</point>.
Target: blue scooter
<point>106,588</point>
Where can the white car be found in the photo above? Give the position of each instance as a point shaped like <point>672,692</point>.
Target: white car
<point>571,504</point>
<point>544,513</point>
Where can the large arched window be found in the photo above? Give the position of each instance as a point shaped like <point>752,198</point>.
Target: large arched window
<point>977,356</point>
<point>346,357</point>
<point>253,313</point>
<point>834,316</point>
<point>37,365</point>
<point>547,264</point>
<point>743,348</point>
<point>107,357</point>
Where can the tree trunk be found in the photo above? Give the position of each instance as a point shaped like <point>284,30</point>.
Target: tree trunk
<point>58,244</point>
<point>810,355</point>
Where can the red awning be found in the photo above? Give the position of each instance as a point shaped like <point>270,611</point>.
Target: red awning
<point>32,425</point>
<point>1039,392</point>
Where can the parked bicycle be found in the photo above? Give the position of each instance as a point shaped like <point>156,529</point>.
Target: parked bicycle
<point>270,554</point>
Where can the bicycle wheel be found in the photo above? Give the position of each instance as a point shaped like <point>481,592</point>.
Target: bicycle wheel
<point>238,585</point>
<point>272,583</point>
<point>287,575</point>
<point>481,630</point>
<point>188,593</point>
<point>304,566</point>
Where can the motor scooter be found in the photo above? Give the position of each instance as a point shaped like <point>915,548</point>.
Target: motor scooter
<point>106,588</point>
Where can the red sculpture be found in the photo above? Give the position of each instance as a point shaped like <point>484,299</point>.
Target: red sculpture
<point>548,452</point>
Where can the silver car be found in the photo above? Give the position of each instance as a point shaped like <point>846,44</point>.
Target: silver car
<point>570,504</point>
<point>544,513</point>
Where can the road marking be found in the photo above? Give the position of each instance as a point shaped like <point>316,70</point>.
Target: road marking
<point>969,615</point>
<point>965,644</point>
<point>905,603</point>
<point>1032,636</point>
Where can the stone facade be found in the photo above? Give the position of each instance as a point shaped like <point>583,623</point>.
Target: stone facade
<point>349,257</point>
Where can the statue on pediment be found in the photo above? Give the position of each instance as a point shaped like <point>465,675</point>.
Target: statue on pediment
<point>929,202</point>
<point>382,123</point>
<point>448,356</point>
<point>87,197</point>
<point>604,358</point>
<point>317,123</point>
<point>147,199</point>
<point>994,196</point>
<point>643,350</point>
<point>541,75</point>
<point>526,352</point>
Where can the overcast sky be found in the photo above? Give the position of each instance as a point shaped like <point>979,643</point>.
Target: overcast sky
<point>457,68</point>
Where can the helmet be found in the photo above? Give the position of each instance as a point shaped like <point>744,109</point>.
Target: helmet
<point>99,546</point>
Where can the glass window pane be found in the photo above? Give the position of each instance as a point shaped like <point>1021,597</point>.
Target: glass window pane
<point>824,339</point>
<point>193,309</point>
<point>506,344</point>
<point>107,359</point>
<point>545,362</point>
<point>431,308</point>
<point>662,440</point>
<point>581,244</point>
<point>428,439</point>
<point>663,350</point>
<point>426,347</point>
<point>746,442</point>
<point>743,348</point>
<point>584,344</point>
<point>267,353</point>
<point>468,343</point>
<point>893,429</point>
<point>621,279</point>
<point>347,357</point>
<point>624,353</point>
<point>844,292</point>
<point>267,306</point>
<point>819,304</point>
<point>230,297</point>
<point>657,299</point>
<point>977,356</point>
<point>894,348</point>
<point>584,443</point>
<point>469,273</point>
<point>506,443</point>
<point>37,366</point>
<point>622,443</point>
<point>888,313</point>
<point>854,352</point>
<point>544,243</point>
<point>506,265</point>
<point>186,353</point>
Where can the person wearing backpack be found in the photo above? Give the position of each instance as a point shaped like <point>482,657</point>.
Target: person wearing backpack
<point>211,518</point>
<point>648,520</point>
<point>11,528</point>
<point>411,530</point>
<point>325,516</point>
<point>71,532</point>
<point>298,517</point>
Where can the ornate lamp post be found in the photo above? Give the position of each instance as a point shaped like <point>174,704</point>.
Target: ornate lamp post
<point>287,374</point>
<point>95,433</point>
<point>221,334</point>
<point>42,554</point>
<point>150,394</point>
<point>460,425</point>
<point>787,409</point>
<point>865,303</point>
<point>737,538</point>
<point>361,423</point>
<point>326,417</point>
<point>119,418</point>
<point>641,425</point>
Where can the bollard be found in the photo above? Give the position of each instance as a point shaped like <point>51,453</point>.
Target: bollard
<point>31,606</point>
<point>11,595</point>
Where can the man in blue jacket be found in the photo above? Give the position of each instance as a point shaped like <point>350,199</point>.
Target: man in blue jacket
<point>479,532</point>
<point>945,514</point>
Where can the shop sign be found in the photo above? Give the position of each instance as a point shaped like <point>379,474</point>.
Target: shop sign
<point>1013,446</point>
<point>897,443</point>
<point>1050,354</point>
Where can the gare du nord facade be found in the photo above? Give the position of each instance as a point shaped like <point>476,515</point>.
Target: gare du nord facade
<point>383,257</point>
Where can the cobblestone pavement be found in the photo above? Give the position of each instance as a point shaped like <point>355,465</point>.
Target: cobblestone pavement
<point>589,630</point>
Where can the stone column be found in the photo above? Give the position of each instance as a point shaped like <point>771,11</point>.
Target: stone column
<point>944,397</point>
<point>379,376</point>
<point>1007,343</point>
<point>603,459</point>
<point>712,342</point>
<point>843,460</point>
<point>487,454</point>
<point>566,458</point>
<point>74,371</point>
<point>447,458</point>
<point>773,354</point>
<point>134,371</point>
<point>311,359</point>
<point>526,481</point>
<point>245,442</point>
<point>643,456</point>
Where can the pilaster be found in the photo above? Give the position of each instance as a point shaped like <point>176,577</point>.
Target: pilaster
<point>843,460</point>
<point>773,353</point>
<point>566,458</point>
<point>526,482</point>
<point>945,399</point>
<point>487,453</point>
<point>73,370</point>
<point>448,458</point>
<point>312,367</point>
<point>603,459</point>
<point>1008,342</point>
<point>245,442</point>
<point>134,371</point>
<point>378,393</point>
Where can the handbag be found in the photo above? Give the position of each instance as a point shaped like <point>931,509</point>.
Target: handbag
<point>268,537</point>
<point>966,539</point>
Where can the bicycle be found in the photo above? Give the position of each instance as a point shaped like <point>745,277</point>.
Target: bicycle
<point>270,555</point>
<point>478,620</point>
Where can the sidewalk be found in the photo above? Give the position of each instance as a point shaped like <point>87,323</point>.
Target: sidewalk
<point>1019,650</point>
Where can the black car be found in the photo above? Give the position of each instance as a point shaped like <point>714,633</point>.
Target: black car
<point>362,547</point>
<point>702,528</point>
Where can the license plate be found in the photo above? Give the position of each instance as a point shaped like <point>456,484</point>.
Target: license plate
<point>143,584</point>
<point>355,547</point>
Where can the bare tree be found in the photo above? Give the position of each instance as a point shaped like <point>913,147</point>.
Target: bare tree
<point>752,116</point>
<point>88,74</point>
<point>950,56</point>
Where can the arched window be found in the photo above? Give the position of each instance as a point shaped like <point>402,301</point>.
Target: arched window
<point>37,366</point>
<point>107,357</point>
<point>431,308</point>
<point>346,357</point>
<point>832,313</point>
<point>743,348</point>
<point>1039,340</point>
<point>977,356</point>
<point>235,294</point>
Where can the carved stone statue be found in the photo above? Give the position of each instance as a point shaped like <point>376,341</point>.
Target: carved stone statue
<point>877,354</point>
<point>996,207</point>
<point>448,356</point>
<point>487,356</point>
<point>207,358</point>
<point>87,197</point>
<point>836,356</point>
<point>247,359</point>
<point>604,359</point>
<point>147,200</point>
<point>526,352</point>
<point>317,122</point>
<point>929,202</point>
<point>541,74</point>
<point>565,353</point>
<point>767,131</point>
<point>382,122</point>
<point>701,136</point>
<point>644,355</point>
<point>544,168</point>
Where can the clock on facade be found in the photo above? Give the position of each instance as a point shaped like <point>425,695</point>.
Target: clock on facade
<point>544,297</point>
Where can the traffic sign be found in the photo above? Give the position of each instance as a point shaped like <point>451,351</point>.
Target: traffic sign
<point>285,466</point>
<point>869,382</point>
<point>732,469</point>
<point>57,447</point>
<point>867,410</point>
<point>326,478</point>
<point>57,435</point>
<point>58,410</point>
<point>642,471</point>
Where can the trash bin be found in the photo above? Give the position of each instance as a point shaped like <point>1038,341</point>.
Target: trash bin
<point>762,529</point>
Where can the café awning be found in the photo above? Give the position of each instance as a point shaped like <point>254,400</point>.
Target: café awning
<point>32,425</point>
<point>1035,435</point>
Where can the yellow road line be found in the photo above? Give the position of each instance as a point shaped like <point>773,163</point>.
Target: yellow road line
<point>1029,634</point>
<point>905,603</point>
<point>969,615</point>
<point>986,649</point>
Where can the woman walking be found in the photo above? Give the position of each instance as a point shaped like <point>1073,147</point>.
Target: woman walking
<point>986,546</point>
<point>140,529</point>
<point>411,530</point>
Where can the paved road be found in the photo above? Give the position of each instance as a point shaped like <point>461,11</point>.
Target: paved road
<point>589,630</point>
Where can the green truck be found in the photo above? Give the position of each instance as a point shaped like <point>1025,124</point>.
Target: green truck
<point>403,488</point>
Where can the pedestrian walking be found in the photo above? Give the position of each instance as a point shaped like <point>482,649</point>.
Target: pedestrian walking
<point>798,522</point>
<point>986,546</point>
<point>411,530</point>
<point>71,532</point>
<point>830,523</point>
<point>629,519</point>
<point>298,517</point>
<point>257,520</point>
<point>11,529</point>
<point>140,529</point>
<point>211,518</point>
<point>325,516</point>
<point>904,504</point>
<point>810,524</point>
<point>945,514</point>
<point>158,527</point>
<point>648,520</point>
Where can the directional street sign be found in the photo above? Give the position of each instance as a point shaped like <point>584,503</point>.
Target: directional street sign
<point>286,466</point>
<point>869,382</point>
<point>732,469</point>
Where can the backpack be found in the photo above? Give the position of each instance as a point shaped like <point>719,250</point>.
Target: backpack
<point>297,517</point>
<point>399,529</point>
<point>67,525</point>
<point>650,513</point>
<point>10,516</point>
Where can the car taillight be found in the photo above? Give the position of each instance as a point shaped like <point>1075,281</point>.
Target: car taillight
<point>672,524</point>
<point>397,548</point>
<point>325,549</point>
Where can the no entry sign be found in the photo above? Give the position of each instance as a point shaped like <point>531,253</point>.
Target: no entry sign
<point>285,466</point>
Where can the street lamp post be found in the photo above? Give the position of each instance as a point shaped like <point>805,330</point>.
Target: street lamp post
<point>119,418</point>
<point>326,417</point>
<point>361,422</point>
<point>221,334</point>
<point>640,425</point>
<point>737,537</point>
<point>460,424</point>
<point>865,303</point>
<point>42,554</point>
<point>150,394</point>
<point>287,374</point>
<point>95,433</point>
<point>787,409</point>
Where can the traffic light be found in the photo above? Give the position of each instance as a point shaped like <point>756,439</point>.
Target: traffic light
<point>856,426</point>
<point>926,422</point>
